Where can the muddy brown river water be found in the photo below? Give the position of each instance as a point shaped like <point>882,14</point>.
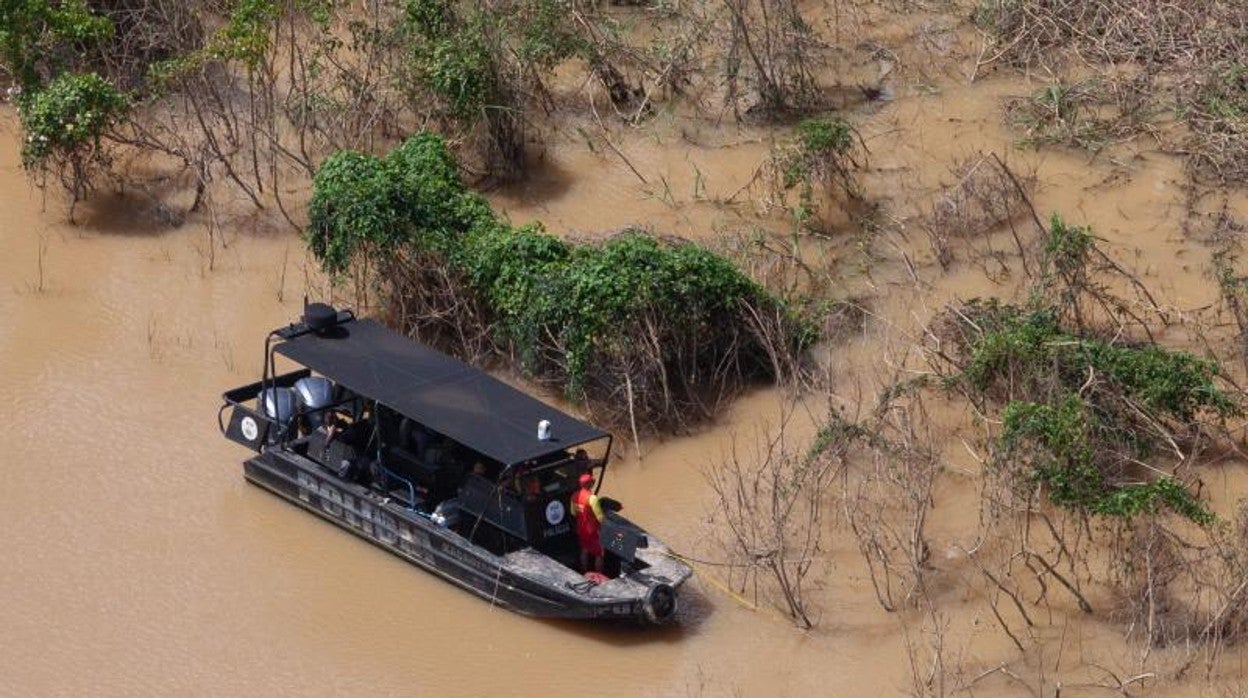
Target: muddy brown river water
<point>138,562</point>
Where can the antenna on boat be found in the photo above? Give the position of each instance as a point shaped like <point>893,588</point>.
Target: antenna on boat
<point>543,430</point>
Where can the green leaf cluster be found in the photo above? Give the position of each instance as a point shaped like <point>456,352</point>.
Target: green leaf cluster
<point>463,57</point>
<point>591,300</point>
<point>40,39</point>
<point>1084,397</point>
<point>592,297</point>
<point>1063,442</point>
<point>451,57</point>
<point>1068,247</point>
<point>545,32</point>
<point>247,35</point>
<point>1031,350</point>
<point>541,293</point>
<point>815,142</point>
<point>71,112</point>
<point>370,206</point>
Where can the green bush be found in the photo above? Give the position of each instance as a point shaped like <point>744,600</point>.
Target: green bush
<point>461,70</point>
<point>820,151</point>
<point>364,205</point>
<point>1080,411</point>
<point>815,142</point>
<point>560,307</point>
<point>39,38</point>
<point>71,113</point>
<point>351,211</point>
<point>429,197</point>
<point>247,35</point>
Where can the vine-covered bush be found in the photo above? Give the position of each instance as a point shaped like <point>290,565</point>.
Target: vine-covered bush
<point>367,206</point>
<point>821,151</point>
<point>71,113</point>
<point>1079,412</point>
<point>352,211</point>
<point>39,39</point>
<point>1082,407</point>
<point>668,322</point>
<point>583,302</point>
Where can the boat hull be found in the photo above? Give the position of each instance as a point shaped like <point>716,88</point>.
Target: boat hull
<point>501,580</point>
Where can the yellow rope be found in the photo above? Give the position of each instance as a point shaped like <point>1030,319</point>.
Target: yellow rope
<point>713,580</point>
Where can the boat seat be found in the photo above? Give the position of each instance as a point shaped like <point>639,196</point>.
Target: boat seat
<point>330,455</point>
<point>400,458</point>
<point>336,453</point>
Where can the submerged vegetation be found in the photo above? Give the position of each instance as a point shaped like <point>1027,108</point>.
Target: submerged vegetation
<point>1091,412</point>
<point>1153,57</point>
<point>1080,414</point>
<point>821,156</point>
<point>255,93</point>
<point>655,331</point>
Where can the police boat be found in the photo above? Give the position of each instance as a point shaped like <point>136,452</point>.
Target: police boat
<point>445,466</point>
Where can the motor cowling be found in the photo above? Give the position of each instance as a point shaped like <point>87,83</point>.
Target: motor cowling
<point>314,393</point>
<point>279,405</point>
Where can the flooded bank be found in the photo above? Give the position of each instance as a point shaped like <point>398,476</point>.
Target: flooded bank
<point>140,558</point>
<point>139,562</point>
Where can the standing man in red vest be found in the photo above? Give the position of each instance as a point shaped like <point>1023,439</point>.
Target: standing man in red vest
<point>588,512</point>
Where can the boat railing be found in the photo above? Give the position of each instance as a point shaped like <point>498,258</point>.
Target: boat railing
<point>389,475</point>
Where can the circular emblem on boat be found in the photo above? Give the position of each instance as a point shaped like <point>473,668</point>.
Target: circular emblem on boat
<point>249,428</point>
<point>554,512</point>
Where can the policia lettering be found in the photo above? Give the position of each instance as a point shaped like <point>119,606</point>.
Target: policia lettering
<point>363,516</point>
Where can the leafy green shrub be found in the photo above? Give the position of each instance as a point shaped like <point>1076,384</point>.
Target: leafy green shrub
<point>546,33</point>
<point>671,316</point>
<point>460,70</point>
<point>247,35</point>
<point>609,290</point>
<point>39,39</point>
<point>556,304</point>
<point>814,141</point>
<point>1082,406</point>
<point>430,19</point>
<point>820,151</point>
<point>515,272</point>
<point>351,211</point>
<point>1062,443</point>
<point>364,205</point>
<point>429,197</point>
<point>69,115</point>
<point>1078,411</point>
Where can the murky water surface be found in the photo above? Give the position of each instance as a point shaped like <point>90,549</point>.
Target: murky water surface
<point>138,562</point>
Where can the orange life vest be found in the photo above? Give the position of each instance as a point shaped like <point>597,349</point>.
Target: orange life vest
<point>588,514</point>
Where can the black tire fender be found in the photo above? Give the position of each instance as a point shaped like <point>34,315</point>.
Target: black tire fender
<point>659,605</point>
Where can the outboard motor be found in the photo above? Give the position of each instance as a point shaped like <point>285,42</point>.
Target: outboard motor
<point>280,405</point>
<point>314,393</point>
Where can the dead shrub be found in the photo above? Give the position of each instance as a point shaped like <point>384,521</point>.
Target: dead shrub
<point>984,197</point>
<point>770,509</point>
<point>1179,586</point>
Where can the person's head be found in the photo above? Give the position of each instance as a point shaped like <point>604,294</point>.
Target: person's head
<point>581,454</point>
<point>587,480</point>
<point>330,418</point>
<point>478,468</point>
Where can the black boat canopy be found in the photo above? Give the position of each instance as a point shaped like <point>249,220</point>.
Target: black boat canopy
<point>442,393</point>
